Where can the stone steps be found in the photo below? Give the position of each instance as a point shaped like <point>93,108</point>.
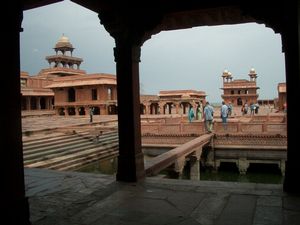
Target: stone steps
<point>33,144</point>
<point>87,159</point>
<point>48,146</point>
<point>69,151</point>
<point>82,157</point>
<point>39,154</point>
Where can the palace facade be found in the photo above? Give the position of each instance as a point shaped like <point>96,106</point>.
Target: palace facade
<point>239,91</point>
<point>68,90</point>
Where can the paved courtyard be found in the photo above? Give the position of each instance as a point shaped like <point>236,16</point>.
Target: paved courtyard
<point>71,198</point>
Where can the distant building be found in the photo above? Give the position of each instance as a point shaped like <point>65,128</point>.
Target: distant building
<point>171,102</point>
<point>281,88</point>
<point>239,91</point>
<point>34,95</point>
<point>66,88</point>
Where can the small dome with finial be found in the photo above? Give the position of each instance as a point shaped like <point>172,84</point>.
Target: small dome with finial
<point>252,71</point>
<point>63,42</point>
<point>225,73</point>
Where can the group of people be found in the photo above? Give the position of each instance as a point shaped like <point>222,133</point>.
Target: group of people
<point>208,114</point>
<point>253,108</point>
<point>195,115</point>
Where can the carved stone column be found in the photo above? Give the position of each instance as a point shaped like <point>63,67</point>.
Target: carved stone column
<point>131,158</point>
<point>195,164</point>
<point>177,108</point>
<point>130,27</point>
<point>14,203</point>
<point>291,47</point>
<point>179,166</point>
<point>161,108</point>
<point>194,168</point>
<point>243,165</point>
<point>38,103</point>
<point>281,166</point>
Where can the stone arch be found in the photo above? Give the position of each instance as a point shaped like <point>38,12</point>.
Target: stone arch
<point>154,108</point>
<point>112,109</point>
<point>81,111</point>
<point>71,111</point>
<point>239,101</point>
<point>33,103</point>
<point>97,110</point>
<point>61,111</point>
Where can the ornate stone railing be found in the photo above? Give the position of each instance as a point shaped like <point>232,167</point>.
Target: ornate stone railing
<point>198,127</point>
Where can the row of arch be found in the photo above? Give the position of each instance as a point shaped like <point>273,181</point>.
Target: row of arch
<point>167,107</point>
<point>84,110</point>
<point>37,103</point>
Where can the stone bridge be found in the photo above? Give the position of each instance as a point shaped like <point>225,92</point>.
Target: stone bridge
<point>178,156</point>
<point>241,149</point>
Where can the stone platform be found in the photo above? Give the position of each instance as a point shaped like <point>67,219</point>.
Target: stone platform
<point>71,198</point>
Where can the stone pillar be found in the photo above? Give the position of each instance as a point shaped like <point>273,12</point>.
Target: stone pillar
<point>217,164</point>
<point>38,103</point>
<point>291,47</point>
<point>131,158</point>
<point>77,110</point>
<point>14,204</point>
<point>66,111</point>
<point>161,109</point>
<point>28,103</point>
<point>103,110</point>
<point>282,167</point>
<point>179,166</point>
<point>177,108</point>
<point>243,165</point>
<point>194,168</point>
<point>87,111</point>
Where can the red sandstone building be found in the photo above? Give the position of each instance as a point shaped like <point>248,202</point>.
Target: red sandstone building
<point>66,88</point>
<point>239,91</point>
<point>281,88</point>
<point>171,102</point>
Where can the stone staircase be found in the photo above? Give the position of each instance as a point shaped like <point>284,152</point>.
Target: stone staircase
<point>69,151</point>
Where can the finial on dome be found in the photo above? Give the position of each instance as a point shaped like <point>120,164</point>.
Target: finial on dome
<point>252,70</point>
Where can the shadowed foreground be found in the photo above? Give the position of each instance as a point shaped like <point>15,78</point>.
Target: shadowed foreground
<point>63,198</point>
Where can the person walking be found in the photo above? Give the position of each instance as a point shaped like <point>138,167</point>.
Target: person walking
<point>191,114</point>
<point>91,114</point>
<point>224,115</point>
<point>208,117</point>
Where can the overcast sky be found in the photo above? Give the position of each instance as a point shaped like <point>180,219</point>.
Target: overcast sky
<point>172,60</point>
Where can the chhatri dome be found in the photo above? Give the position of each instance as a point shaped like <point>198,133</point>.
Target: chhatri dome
<point>65,59</point>
<point>63,42</point>
<point>252,71</point>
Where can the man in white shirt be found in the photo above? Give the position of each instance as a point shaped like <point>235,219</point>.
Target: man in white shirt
<point>224,115</point>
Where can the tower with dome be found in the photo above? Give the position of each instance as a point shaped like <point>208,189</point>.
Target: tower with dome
<point>63,63</point>
<point>239,91</point>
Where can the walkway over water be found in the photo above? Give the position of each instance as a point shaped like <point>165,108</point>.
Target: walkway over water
<point>177,155</point>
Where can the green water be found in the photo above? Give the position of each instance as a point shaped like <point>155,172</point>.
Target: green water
<point>228,172</point>
<point>251,177</point>
<point>108,166</point>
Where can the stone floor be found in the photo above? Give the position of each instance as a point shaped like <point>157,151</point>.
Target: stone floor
<point>71,198</point>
